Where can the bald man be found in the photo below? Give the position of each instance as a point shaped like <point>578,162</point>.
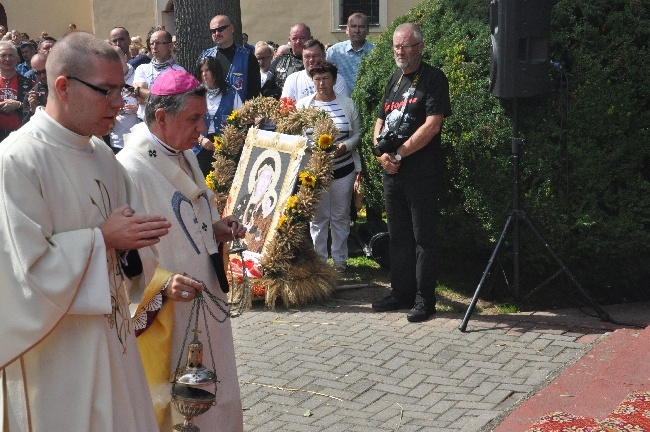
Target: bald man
<point>286,64</point>
<point>72,251</point>
<point>238,64</point>
<point>37,96</point>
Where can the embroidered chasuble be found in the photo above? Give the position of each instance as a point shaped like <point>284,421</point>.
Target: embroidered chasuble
<point>180,194</point>
<point>68,354</point>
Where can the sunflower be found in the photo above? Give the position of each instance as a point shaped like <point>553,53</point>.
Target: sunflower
<point>233,116</point>
<point>210,181</point>
<point>218,142</point>
<point>324,141</point>
<point>307,179</point>
<point>291,202</point>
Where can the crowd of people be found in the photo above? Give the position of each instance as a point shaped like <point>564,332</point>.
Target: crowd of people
<point>110,230</point>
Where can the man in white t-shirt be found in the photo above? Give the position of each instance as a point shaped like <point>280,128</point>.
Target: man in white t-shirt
<point>127,117</point>
<point>161,45</point>
<point>299,84</point>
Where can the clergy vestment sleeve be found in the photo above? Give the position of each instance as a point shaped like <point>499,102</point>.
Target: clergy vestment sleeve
<point>136,286</point>
<point>42,271</point>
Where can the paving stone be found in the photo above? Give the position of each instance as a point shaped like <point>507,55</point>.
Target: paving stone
<point>443,379</point>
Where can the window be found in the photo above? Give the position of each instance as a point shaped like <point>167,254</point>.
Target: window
<point>367,7</point>
<point>374,9</point>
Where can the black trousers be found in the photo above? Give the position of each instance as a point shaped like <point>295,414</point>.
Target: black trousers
<point>206,158</point>
<point>412,213</point>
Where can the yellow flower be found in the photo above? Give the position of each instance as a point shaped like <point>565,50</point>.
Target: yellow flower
<point>307,179</point>
<point>282,220</point>
<point>324,141</point>
<point>210,181</point>
<point>291,202</point>
<point>218,142</point>
<point>233,116</point>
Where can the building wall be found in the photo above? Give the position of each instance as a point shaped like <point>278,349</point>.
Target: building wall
<point>260,20</point>
<point>36,16</point>
<point>264,22</point>
<point>137,16</point>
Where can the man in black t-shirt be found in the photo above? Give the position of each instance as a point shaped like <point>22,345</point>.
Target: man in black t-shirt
<point>414,106</point>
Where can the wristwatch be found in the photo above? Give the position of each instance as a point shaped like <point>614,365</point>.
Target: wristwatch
<point>398,157</point>
<point>136,91</point>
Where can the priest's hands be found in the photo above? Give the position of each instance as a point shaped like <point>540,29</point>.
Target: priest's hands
<point>124,230</point>
<point>182,288</point>
<point>222,229</point>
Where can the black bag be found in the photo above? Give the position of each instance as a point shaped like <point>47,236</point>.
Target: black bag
<point>379,249</point>
<point>375,239</point>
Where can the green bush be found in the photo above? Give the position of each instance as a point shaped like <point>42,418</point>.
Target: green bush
<point>586,163</point>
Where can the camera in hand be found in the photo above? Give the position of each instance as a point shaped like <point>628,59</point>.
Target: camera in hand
<point>387,142</point>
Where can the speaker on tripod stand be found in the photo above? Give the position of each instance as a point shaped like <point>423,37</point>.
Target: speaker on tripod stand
<point>519,68</point>
<point>519,63</point>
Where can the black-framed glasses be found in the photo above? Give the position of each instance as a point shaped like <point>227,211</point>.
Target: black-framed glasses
<point>263,58</point>
<point>39,72</point>
<point>112,93</point>
<point>405,48</point>
<point>219,29</point>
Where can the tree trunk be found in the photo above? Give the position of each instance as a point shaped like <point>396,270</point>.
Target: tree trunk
<point>193,26</point>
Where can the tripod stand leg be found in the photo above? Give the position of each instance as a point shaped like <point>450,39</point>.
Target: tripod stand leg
<point>472,305</point>
<point>601,313</point>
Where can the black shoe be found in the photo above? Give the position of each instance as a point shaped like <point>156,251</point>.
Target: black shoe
<point>390,303</point>
<point>420,312</point>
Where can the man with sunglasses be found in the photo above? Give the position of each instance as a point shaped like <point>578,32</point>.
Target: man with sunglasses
<point>264,54</point>
<point>415,103</point>
<point>73,248</point>
<point>239,65</point>
<point>37,96</point>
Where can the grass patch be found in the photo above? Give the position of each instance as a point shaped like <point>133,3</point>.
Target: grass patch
<point>363,270</point>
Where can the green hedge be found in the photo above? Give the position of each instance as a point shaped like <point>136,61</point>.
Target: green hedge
<point>586,162</point>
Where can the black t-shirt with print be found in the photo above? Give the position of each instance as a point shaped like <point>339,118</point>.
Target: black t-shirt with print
<point>407,108</point>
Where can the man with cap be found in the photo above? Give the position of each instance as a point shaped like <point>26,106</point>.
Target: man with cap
<point>27,51</point>
<point>158,158</point>
<point>69,357</point>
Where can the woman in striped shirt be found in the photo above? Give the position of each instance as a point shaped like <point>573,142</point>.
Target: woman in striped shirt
<point>334,207</point>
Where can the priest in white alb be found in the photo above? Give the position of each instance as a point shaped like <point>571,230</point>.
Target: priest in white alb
<point>158,158</point>
<point>68,354</point>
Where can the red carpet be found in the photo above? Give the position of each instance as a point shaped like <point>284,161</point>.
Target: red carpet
<point>588,393</point>
<point>632,415</point>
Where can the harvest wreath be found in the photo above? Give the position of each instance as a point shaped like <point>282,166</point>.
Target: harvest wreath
<point>291,269</point>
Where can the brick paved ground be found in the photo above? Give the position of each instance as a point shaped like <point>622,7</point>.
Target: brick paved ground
<point>341,367</point>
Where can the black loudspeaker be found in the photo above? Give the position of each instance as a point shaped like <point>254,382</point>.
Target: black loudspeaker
<point>520,31</point>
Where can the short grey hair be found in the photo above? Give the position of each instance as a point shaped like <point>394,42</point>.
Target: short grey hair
<point>417,32</point>
<point>171,104</point>
<point>7,44</point>
<point>262,44</point>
